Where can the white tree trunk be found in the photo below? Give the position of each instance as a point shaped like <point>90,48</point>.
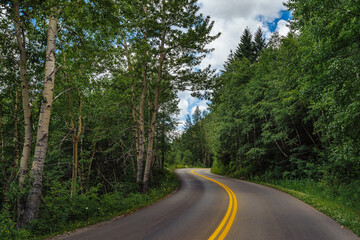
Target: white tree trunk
<point>34,198</point>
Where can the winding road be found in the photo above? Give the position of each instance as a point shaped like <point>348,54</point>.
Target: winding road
<point>209,206</point>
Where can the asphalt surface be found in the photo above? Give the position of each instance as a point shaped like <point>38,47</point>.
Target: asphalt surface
<point>199,206</point>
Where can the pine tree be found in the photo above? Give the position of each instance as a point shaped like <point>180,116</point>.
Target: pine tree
<point>188,122</point>
<point>245,47</point>
<point>259,42</point>
<point>229,61</point>
<point>197,115</point>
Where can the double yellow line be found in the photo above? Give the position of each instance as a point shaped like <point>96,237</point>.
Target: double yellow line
<point>229,217</point>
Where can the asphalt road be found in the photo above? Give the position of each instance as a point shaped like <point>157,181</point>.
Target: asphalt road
<point>203,209</point>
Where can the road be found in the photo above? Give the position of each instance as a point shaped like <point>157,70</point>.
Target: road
<point>216,207</point>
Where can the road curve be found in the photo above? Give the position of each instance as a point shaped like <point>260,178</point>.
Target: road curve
<point>201,205</point>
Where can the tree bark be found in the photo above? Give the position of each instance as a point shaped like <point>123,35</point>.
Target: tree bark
<point>139,132</point>
<point>150,152</point>
<point>94,150</point>
<point>140,162</point>
<point>16,139</point>
<point>33,202</point>
<point>76,137</point>
<point>28,137</point>
<point>2,158</point>
<point>1,138</point>
<point>151,137</point>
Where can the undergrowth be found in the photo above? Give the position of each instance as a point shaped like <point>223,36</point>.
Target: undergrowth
<point>60,213</point>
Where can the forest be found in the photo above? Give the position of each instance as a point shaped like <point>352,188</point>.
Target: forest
<point>88,104</point>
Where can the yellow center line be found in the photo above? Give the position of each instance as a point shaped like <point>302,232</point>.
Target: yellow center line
<point>229,213</point>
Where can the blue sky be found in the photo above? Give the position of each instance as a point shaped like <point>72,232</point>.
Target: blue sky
<point>273,23</point>
<point>231,17</point>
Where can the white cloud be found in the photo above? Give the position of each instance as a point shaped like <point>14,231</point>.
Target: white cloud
<point>202,107</point>
<point>183,106</point>
<point>186,95</point>
<point>231,18</point>
<point>282,28</point>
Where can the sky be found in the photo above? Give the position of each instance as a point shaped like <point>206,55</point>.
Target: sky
<point>231,18</point>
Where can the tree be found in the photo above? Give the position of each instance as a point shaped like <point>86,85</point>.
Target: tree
<point>188,122</point>
<point>259,42</point>
<point>28,137</point>
<point>196,115</point>
<point>33,202</point>
<point>246,47</point>
<point>165,58</point>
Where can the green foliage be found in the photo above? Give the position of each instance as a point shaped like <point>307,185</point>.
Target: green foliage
<point>8,228</point>
<point>289,115</point>
<point>192,148</point>
<point>61,212</point>
<point>246,48</point>
<point>330,75</point>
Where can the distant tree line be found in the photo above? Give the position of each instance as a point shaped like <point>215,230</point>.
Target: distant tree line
<point>191,148</point>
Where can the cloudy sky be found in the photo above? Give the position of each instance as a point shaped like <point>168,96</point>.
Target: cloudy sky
<point>231,17</point>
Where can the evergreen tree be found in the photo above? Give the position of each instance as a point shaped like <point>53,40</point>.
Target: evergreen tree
<point>245,47</point>
<point>229,61</point>
<point>196,115</point>
<point>188,122</point>
<point>259,42</point>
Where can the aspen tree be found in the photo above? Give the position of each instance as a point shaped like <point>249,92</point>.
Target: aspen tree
<point>26,151</point>
<point>33,202</point>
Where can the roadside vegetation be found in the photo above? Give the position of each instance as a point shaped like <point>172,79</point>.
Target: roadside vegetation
<point>60,213</point>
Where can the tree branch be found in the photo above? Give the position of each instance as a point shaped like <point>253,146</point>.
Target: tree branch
<point>61,93</point>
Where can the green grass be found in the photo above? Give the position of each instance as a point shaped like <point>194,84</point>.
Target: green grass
<point>60,214</point>
<point>341,203</point>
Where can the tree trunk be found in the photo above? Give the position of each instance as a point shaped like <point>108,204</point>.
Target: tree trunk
<point>16,138</point>
<point>76,137</point>
<point>1,138</point>
<point>277,144</point>
<point>140,162</point>
<point>26,151</point>
<point>311,138</point>
<point>137,129</point>
<point>151,137</point>
<point>162,159</point>
<point>150,153</point>
<point>94,150</point>
<point>139,132</point>
<point>34,198</point>
<point>2,158</point>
